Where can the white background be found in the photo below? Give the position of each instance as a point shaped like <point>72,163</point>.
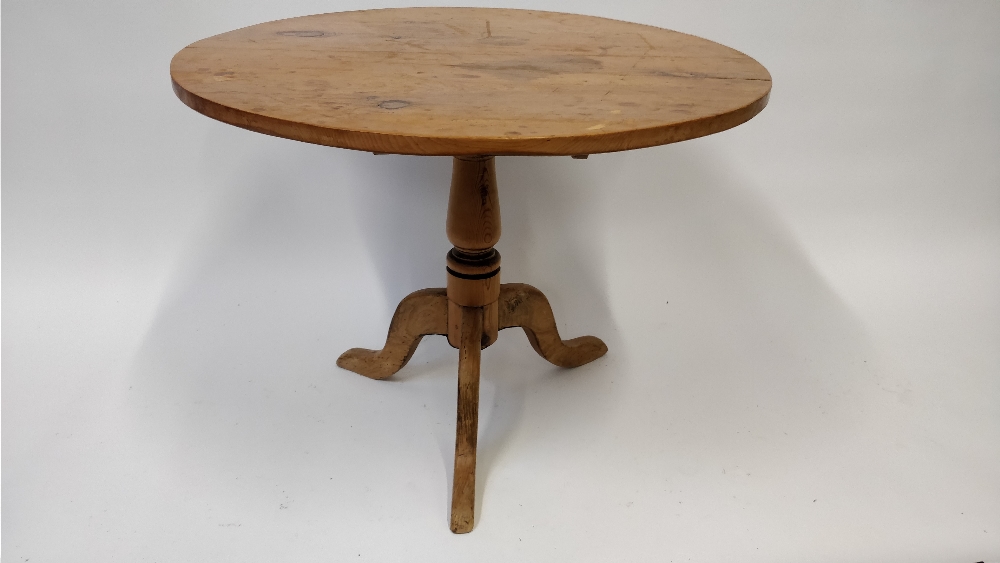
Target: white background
<point>803,312</point>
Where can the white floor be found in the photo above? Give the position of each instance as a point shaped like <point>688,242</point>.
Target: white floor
<point>803,314</point>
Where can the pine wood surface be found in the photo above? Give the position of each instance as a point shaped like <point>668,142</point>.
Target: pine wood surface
<point>466,81</point>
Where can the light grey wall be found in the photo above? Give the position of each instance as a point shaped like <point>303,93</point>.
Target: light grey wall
<point>803,312</point>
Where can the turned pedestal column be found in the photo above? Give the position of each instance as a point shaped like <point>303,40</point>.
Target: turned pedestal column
<point>470,312</point>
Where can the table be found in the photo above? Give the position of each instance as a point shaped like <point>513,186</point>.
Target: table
<point>470,83</point>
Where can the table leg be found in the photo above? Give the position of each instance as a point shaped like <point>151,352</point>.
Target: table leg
<point>420,313</point>
<point>463,496</point>
<point>524,306</point>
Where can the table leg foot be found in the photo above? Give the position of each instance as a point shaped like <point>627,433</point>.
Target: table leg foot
<point>463,496</point>
<point>420,313</point>
<point>521,305</point>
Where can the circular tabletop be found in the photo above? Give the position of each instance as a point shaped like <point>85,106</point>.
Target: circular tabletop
<point>463,81</point>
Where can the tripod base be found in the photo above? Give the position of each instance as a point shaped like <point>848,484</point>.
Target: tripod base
<point>428,311</point>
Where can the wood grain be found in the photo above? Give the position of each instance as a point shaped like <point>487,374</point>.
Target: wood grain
<point>469,81</point>
<point>521,305</point>
<point>463,496</point>
<point>420,313</point>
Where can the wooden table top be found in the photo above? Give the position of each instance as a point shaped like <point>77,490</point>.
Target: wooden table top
<point>462,81</point>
